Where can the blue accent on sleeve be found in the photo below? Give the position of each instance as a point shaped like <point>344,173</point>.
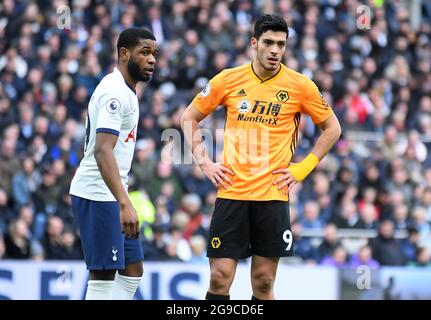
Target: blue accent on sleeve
<point>107,130</point>
<point>87,132</point>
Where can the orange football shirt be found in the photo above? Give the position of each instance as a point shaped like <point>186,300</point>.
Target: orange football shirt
<point>262,123</point>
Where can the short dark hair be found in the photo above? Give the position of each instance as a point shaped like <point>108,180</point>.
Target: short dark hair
<point>271,22</point>
<point>130,37</point>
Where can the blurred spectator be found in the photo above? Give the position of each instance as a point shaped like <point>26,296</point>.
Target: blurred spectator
<point>322,192</point>
<point>368,196</point>
<point>216,38</point>
<point>302,247</point>
<point>53,241</point>
<point>423,258</point>
<point>386,249</point>
<point>369,216</point>
<point>401,217</point>
<point>191,205</point>
<point>2,247</point>
<point>330,241</point>
<point>6,114</point>
<point>154,248</point>
<point>144,208</point>
<point>209,202</point>
<point>196,182</point>
<point>426,202</point>
<point>177,248</point>
<point>372,177</point>
<point>157,24</point>
<point>349,216</point>
<point>71,246</point>
<point>64,210</point>
<point>47,195</point>
<point>411,244</point>
<point>338,258</point>
<point>25,183</point>
<point>198,244</point>
<point>77,103</point>
<point>363,258</point>
<point>17,240</point>
<point>26,214</point>
<point>6,213</point>
<point>422,225</point>
<point>144,163</point>
<point>9,164</point>
<point>164,173</point>
<point>37,252</point>
<point>388,145</point>
<point>311,219</point>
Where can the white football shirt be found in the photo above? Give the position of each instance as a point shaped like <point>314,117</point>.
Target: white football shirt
<point>114,109</point>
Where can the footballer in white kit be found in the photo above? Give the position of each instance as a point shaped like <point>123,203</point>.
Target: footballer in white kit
<point>113,109</point>
<point>107,221</point>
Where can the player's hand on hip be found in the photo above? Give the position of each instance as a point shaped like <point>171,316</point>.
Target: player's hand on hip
<point>286,179</point>
<point>129,221</point>
<point>218,174</point>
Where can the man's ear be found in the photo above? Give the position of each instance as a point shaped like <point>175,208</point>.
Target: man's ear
<point>124,54</point>
<point>253,42</point>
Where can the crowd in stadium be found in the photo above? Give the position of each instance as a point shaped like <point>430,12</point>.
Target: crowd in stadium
<point>377,80</point>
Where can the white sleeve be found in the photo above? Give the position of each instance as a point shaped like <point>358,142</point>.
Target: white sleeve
<point>110,115</point>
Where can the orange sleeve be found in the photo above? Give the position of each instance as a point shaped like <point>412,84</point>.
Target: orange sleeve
<point>212,95</point>
<point>313,103</point>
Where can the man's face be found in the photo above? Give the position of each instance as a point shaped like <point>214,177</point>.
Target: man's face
<point>142,60</point>
<point>270,49</point>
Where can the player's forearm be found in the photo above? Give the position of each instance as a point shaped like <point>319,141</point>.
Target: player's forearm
<point>109,171</point>
<point>330,134</point>
<point>193,137</point>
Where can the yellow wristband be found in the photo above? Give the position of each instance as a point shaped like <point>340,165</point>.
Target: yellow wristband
<point>301,170</point>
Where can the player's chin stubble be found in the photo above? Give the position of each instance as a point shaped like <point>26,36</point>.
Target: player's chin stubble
<point>135,71</point>
<point>266,65</point>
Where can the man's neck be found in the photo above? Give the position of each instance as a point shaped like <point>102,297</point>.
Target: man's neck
<point>261,72</point>
<point>125,73</point>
